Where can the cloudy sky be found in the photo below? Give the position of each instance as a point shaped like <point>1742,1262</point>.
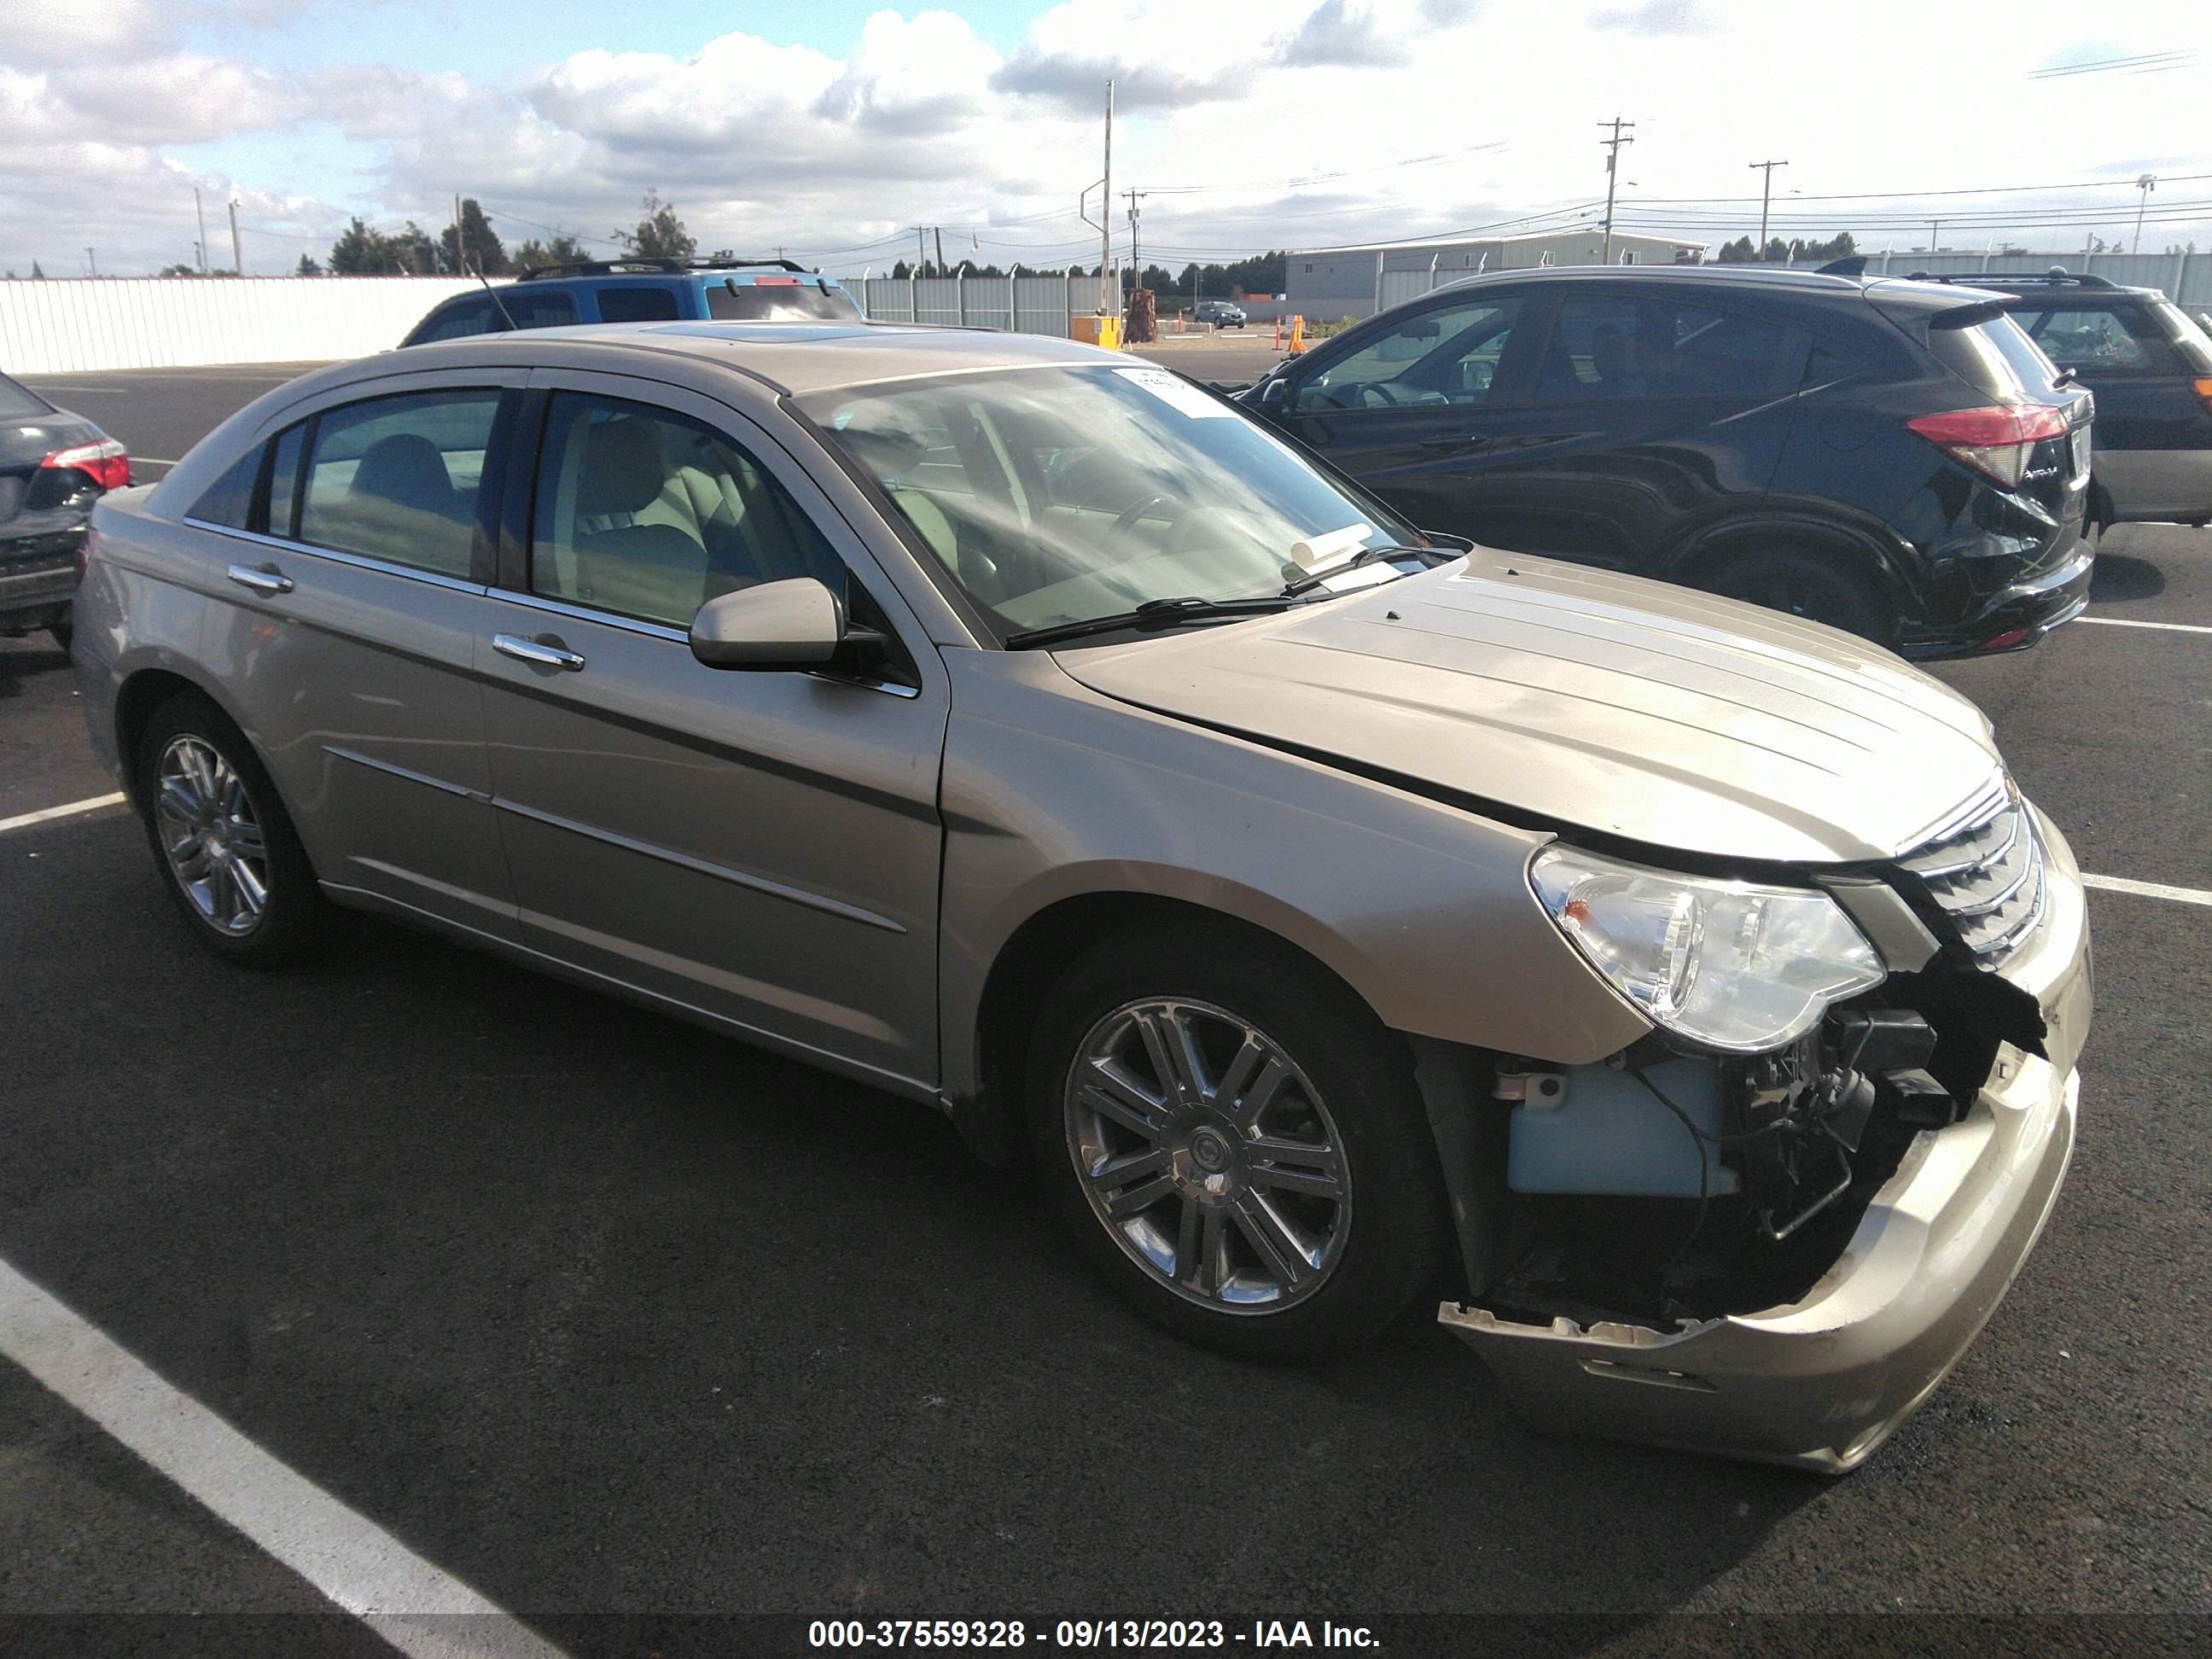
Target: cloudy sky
<point>831,127</point>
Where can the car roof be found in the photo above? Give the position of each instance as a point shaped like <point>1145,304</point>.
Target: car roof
<point>1814,284</point>
<point>794,357</point>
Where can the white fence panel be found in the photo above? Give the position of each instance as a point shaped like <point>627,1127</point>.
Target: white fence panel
<point>66,325</point>
<point>1040,305</point>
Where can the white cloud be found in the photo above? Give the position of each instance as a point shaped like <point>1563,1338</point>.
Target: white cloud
<point>1251,125</point>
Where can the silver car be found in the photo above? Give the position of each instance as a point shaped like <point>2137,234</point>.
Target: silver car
<point>1324,918</point>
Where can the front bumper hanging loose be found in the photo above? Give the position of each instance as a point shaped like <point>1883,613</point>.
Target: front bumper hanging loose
<point>1820,1383</point>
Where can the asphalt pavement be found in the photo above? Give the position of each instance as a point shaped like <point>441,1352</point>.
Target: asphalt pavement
<point>638,1331</point>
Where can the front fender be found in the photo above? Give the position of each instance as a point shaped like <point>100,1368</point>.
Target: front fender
<point>1052,792</point>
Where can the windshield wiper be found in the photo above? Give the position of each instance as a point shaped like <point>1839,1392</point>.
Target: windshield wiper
<point>1313,579</point>
<point>1150,616</point>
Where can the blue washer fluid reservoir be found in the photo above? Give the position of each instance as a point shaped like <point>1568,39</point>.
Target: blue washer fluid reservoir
<point>1606,1134</point>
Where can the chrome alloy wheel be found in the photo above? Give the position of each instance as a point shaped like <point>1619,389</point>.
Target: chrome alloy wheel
<point>1208,1155</point>
<point>210,835</point>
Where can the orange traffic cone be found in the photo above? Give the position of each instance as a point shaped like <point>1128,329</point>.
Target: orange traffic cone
<point>1297,335</point>
<point>1279,333</point>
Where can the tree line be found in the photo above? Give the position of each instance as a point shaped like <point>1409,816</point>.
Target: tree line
<point>1263,273</point>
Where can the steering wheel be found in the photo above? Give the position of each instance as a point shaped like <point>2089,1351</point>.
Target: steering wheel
<point>1379,396</point>
<point>1123,524</point>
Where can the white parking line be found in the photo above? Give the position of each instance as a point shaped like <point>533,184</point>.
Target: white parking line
<point>417,1607</point>
<point>47,815</point>
<point>2157,889</point>
<point>2126,622</point>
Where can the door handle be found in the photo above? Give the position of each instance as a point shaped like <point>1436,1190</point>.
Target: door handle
<point>1457,441</point>
<point>262,579</point>
<point>537,653</point>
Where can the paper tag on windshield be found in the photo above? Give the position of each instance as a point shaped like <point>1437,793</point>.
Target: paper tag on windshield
<point>1178,395</point>
<point>1330,545</point>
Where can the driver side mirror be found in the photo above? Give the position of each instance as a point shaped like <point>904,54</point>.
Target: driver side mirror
<point>797,623</point>
<point>1274,394</point>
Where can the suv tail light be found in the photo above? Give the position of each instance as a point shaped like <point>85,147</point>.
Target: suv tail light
<point>1995,440</point>
<point>104,463</point>
<point>2202,387</point>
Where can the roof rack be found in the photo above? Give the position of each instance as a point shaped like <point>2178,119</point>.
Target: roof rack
<point>669,267</point>
<point>2057,277</point>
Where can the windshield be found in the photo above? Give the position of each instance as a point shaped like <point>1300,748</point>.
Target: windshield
<point>1060,494</point>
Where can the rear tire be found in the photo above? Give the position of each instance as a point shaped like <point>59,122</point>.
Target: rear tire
<point>1279,1196</point>
<point>221,839</point>
<point>1816,588</point>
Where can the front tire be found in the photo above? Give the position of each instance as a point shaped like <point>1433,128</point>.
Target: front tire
<point>1236,1142</point>
<point>221,841</point>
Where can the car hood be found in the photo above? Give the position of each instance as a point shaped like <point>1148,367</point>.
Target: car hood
<point>1586,698</point>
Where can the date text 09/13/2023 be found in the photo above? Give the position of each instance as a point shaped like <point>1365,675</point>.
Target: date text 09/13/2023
<point>1087,1634</point>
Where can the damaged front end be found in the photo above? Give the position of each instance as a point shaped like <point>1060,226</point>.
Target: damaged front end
<point>1779,1254</point>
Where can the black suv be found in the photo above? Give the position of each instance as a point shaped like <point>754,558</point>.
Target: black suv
<point>1894,458</point>
<point>2150,365</point>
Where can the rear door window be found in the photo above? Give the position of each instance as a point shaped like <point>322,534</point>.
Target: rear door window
<point>2107,339</point>
<point>460,320</point>
<point>538,310</point>
<point>398,478</point>
<point>637,304</point>
<point>1631,345</point>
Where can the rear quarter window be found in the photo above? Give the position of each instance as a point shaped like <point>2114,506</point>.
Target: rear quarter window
<point>18,403</point>
<point>1995,357</point>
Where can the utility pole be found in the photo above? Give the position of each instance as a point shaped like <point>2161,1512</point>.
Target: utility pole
<point>1934,234</point>
<point>201,214</point>
<point>237,248</point>
<point>1611,177</point>
<point>2146,183</point>
<point>1766,198</point>
<point>921,248</point>
<point>1106,308</point>
<point>939,230</point>
<point>91,262</point>
<point>461,247</point>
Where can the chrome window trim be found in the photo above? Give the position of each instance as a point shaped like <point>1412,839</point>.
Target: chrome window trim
<point>662,631</point>
<point>358,561</point>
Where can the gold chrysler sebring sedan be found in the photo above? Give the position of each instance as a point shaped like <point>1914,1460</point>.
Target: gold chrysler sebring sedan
<point>1330,921</point>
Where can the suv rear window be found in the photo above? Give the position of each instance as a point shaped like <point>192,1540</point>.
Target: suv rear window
<point>2109,339</point>
<point>779,302</point>
<point>1995,357</point>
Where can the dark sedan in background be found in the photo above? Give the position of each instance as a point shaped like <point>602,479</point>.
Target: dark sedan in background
<point>53,466</point>
<point>1893,457</point>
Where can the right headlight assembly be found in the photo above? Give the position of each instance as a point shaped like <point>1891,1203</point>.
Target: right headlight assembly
<point>1732,965</point>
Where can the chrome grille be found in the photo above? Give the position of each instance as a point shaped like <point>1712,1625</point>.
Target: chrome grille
<point>1987,876</point>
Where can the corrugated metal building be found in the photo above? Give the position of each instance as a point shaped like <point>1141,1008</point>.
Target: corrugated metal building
<point>1355,281</point>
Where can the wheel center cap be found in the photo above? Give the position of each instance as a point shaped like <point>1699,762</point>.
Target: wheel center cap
<point>1209,1151</point>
